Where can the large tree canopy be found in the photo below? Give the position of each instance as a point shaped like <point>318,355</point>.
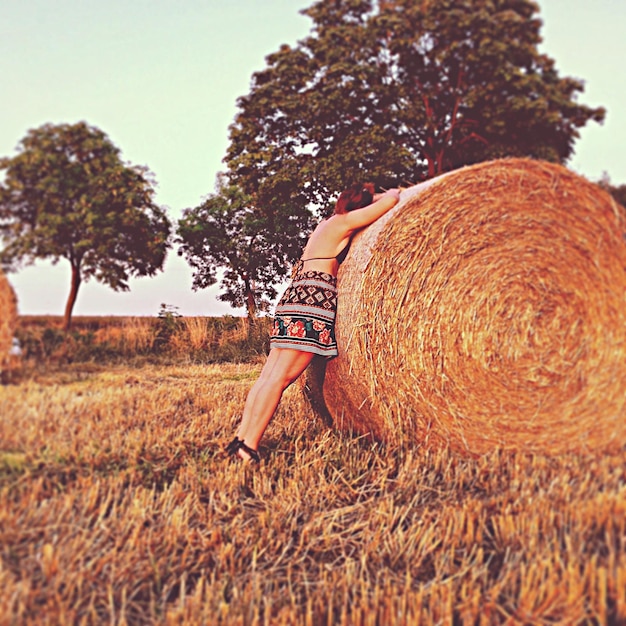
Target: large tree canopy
<point>254,247</point>
<point>68,195</point>
<point>401,90</point>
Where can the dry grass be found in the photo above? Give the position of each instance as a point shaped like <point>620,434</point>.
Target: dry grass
<point>117,507</point>
<point>196,334</point>
<point>199,339</point>
<point>128,336</point>
<point>487,310</point>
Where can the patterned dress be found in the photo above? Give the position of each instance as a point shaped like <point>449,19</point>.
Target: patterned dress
<point>305,314</point>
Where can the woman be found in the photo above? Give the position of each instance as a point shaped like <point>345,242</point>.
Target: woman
<point>305,315</point>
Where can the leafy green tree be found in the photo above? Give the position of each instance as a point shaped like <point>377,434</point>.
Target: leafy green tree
<point>481,86</point>
<point>68,195</point>
<point>253,246</point>
<point>402,90</point>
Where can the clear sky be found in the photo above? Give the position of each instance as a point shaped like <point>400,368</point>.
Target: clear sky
<point>161,78</point>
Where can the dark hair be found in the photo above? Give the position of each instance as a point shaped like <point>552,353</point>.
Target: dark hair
<point>355,197</point>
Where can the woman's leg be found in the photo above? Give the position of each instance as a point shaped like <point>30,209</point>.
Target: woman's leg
<point>282,367</point>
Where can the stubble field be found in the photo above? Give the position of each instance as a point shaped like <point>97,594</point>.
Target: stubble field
<point>117,506</point>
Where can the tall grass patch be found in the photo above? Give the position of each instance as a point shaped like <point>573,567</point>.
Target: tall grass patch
<point>115,339</point>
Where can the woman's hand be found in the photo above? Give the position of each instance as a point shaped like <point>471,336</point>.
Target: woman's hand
<point>390,192</point>
<point>358,218</point>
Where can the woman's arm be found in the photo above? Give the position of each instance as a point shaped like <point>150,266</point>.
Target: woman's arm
<point>359,218</point>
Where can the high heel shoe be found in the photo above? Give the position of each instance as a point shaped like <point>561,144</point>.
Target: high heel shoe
<point>237,444</point>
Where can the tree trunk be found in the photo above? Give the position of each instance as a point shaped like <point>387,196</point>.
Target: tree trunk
<point>71,300</point>
<point>251,308</point>
<point>250,299</point>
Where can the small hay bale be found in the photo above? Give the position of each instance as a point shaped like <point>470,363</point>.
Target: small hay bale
<point>488,308</point>
<point>8,319</point>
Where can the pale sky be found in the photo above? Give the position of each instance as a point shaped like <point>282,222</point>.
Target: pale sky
<point>161,78</point>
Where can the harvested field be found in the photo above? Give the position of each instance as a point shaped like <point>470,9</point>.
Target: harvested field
<point>487,310</point>
<point>117,507</point>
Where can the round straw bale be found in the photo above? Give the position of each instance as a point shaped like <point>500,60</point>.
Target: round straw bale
<point>488,308</point>
<point>8,318</point>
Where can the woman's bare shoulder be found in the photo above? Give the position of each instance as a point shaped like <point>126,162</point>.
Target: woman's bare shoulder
<point>332,223</point>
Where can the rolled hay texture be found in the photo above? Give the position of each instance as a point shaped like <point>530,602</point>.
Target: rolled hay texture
<point>8,319</point>
<point>488,308</point>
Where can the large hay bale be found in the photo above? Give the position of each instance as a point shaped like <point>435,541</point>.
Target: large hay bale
<point>8,319</point>
<point>488,308</point>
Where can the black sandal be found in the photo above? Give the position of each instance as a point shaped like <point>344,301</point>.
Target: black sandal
<point>237,444</point>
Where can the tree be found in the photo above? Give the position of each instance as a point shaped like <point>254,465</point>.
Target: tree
<point>316,118</point>
<point>482,88</point>
<point>254,246</point>
<point>68,195</point>
<point>402,90</point>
